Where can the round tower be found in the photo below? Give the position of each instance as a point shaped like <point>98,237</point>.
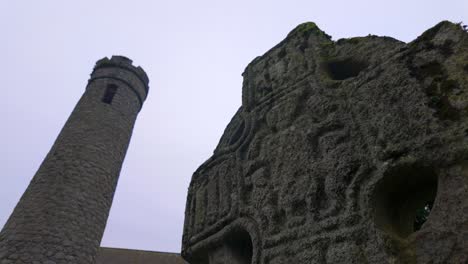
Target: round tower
<point>62,214</point>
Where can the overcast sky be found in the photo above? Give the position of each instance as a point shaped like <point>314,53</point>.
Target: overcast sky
<point>193,52</point>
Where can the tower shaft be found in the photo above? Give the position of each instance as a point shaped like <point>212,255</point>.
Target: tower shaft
<point>62,214</point>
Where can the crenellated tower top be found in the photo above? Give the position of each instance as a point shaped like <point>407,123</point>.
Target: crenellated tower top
<point>121,69</point>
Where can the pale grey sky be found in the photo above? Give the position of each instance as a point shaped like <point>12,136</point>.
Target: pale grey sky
<point>194,53</point>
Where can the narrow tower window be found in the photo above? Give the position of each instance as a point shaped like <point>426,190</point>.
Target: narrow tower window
<point>111,89</point>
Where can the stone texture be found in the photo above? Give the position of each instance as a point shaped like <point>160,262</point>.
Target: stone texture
<point>62,215</point>
<point>334,149</point>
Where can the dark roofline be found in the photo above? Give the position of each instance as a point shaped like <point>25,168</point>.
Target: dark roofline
<point>140,250</point>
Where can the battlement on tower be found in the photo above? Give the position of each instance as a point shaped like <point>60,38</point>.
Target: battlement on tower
<point>126,64</point>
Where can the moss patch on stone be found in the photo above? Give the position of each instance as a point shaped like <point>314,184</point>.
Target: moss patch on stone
<point>308,28</point>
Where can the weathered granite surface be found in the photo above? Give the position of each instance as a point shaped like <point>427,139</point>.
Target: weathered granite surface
<point>336,150</point>
<point>62,214</point>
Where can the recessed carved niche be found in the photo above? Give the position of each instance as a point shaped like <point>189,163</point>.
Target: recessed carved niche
<point>342,69</point>
<point>235,247</point>
<point>403,199</point>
